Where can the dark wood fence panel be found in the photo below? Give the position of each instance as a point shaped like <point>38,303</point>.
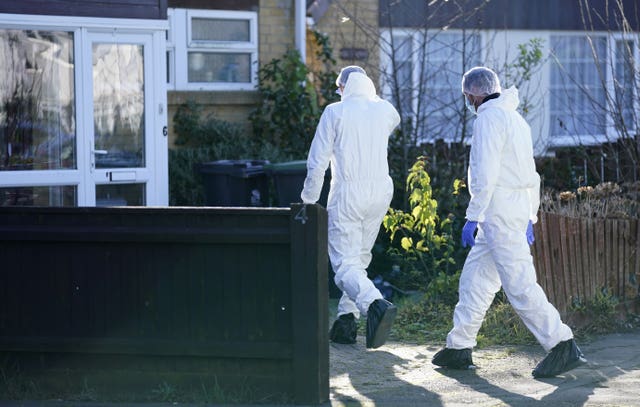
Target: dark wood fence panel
<point>201,288</point>
<point>576,258</point>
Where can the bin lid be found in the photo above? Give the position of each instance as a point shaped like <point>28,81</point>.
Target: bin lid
<point>239,168</point>
<point>289,166</point>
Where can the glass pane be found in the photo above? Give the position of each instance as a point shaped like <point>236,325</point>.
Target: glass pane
<point>39,196</point>
<point>403,77</point>
<point>448,56</point>
<point>576,91</point>
<point>211,29</point>
<point>624,85</point>
<point>120,195</point>
<point>118,105</point>
<point>219,67</point>
<point>37,103</point>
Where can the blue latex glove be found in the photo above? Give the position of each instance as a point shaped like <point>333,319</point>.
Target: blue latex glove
<point>530,237</point>
<point>468,230</point>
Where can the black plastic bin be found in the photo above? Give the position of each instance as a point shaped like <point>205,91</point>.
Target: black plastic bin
<point>235,183</point>
<point>288,181</point>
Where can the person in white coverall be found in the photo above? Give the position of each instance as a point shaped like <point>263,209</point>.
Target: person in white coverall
<point>504,188</point>
<point>353,136</point>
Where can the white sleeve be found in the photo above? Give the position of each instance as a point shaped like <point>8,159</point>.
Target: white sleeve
<point>319,157</point>
<point>484,164</point>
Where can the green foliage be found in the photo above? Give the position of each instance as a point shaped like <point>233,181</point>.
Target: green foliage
<point>204,139</point>
<point>283,124</point>
<point>289,113</point>
<point>165,393</point>
<point>528,59</point>
<point>324,79</point>
<point>291,104</point>
<point>443,288</point>
<point>502,326</point>
<point>599,313</point>
<point>420,238</point>
<point>422,320</point>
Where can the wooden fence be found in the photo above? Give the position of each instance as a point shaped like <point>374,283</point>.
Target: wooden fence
<point>230,300</point>
<point>575,258</point>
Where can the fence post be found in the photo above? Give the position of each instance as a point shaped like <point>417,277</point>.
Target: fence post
<point>309,303</point>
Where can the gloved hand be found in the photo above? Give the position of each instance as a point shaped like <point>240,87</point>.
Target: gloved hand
<point>530,237</point>
<point>468,230</point>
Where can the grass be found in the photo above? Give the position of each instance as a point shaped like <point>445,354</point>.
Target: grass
<point>423,320</point>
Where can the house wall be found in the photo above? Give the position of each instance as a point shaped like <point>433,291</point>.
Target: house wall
<point>148,9</point>
<point>352,27</point>
<point>276,36</point>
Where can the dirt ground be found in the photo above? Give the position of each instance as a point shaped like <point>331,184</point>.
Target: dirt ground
<point>399,374</point>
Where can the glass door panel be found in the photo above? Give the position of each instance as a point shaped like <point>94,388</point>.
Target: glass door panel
<point>120,195</point>
<point>118,105</point>
<point>57,195</point>
<point>37,100</point>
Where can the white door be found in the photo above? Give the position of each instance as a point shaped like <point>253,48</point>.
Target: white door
<point>83,113</point>
<point>121,105</point>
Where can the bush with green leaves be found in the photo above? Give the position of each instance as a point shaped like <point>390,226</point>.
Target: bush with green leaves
<point>283,124</point>
<point>420,239</point>
<point>203,139</point>
<point>292,100</point>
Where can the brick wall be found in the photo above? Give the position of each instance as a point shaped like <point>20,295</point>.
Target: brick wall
<point>353,27</point>
<point>276,27</point>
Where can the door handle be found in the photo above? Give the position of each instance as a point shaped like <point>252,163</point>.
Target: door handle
<point>99,152</point>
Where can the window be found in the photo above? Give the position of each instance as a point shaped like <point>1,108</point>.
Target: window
<point>577,89</point>
<point>449,56</point>
<point>212,50</point>
<point>403,67</point>
<point>37,109</point>
<point>625,86</point>
<point>422,75</point>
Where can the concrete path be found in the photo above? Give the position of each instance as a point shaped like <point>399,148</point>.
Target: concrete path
<point>402,375</point>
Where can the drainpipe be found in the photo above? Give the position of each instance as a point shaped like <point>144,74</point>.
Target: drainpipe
<point>301,28</point>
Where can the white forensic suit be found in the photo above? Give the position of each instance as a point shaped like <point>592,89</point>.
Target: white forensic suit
<point>353,136</point>
<point>505,194</point>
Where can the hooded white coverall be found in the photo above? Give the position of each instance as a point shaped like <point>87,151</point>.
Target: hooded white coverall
<point>353,135</point>
<point>505,194</point>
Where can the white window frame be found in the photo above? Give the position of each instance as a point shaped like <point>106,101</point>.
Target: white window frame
<point>79,177</point>
<point>612,49</point>
<point>181,44</point>
<point>171,51</point>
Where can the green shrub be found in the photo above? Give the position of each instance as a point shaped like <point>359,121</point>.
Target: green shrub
<point>204,139</point>
<point>419,238</point>
<point>293,98</point>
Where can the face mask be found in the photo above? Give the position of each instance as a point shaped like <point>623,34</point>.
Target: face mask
<point>470,106</point>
